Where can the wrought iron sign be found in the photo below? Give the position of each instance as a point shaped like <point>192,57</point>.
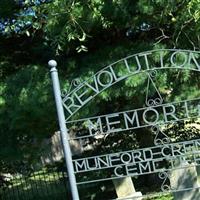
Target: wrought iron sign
<point>156,114</point>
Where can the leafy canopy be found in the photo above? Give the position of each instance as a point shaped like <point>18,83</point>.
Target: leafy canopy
<point>84,36</point>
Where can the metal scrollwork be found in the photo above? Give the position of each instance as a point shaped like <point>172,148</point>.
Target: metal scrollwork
<point>165,187</point>
<point>153,73</point>
<point>153,101</point>
<point>160,138</point>
<point>64,93</point>
<point>74,83</point>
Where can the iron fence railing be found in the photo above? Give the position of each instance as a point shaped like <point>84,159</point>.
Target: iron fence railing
<point>37,185</point>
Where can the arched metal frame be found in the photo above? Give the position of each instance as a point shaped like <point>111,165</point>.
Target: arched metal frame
<point>109,68</point>
<point>190,62</point>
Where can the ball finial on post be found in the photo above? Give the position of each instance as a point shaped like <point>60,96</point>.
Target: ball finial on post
<point>52,63</point>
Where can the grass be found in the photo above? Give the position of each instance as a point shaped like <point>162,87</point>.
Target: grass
<point>44,185</point>
<point>38,186</point>
<point>163,197</point>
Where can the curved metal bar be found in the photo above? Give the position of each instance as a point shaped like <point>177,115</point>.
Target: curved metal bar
<point>151,51</point>
<point>128,75</point>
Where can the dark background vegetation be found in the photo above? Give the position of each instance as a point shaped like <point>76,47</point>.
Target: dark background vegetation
<point>83,36</point>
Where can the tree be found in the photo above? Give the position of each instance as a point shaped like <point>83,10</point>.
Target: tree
<point>83,35</point>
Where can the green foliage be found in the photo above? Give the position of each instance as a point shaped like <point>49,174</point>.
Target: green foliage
<point>40,185</point>
<point>26,106</point>
<point>77,23</point>
<point>84,36</point>
<point>7,8</point>
<point>164,197</point>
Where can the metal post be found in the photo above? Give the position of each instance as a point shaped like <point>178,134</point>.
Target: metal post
<point>63,129</point>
